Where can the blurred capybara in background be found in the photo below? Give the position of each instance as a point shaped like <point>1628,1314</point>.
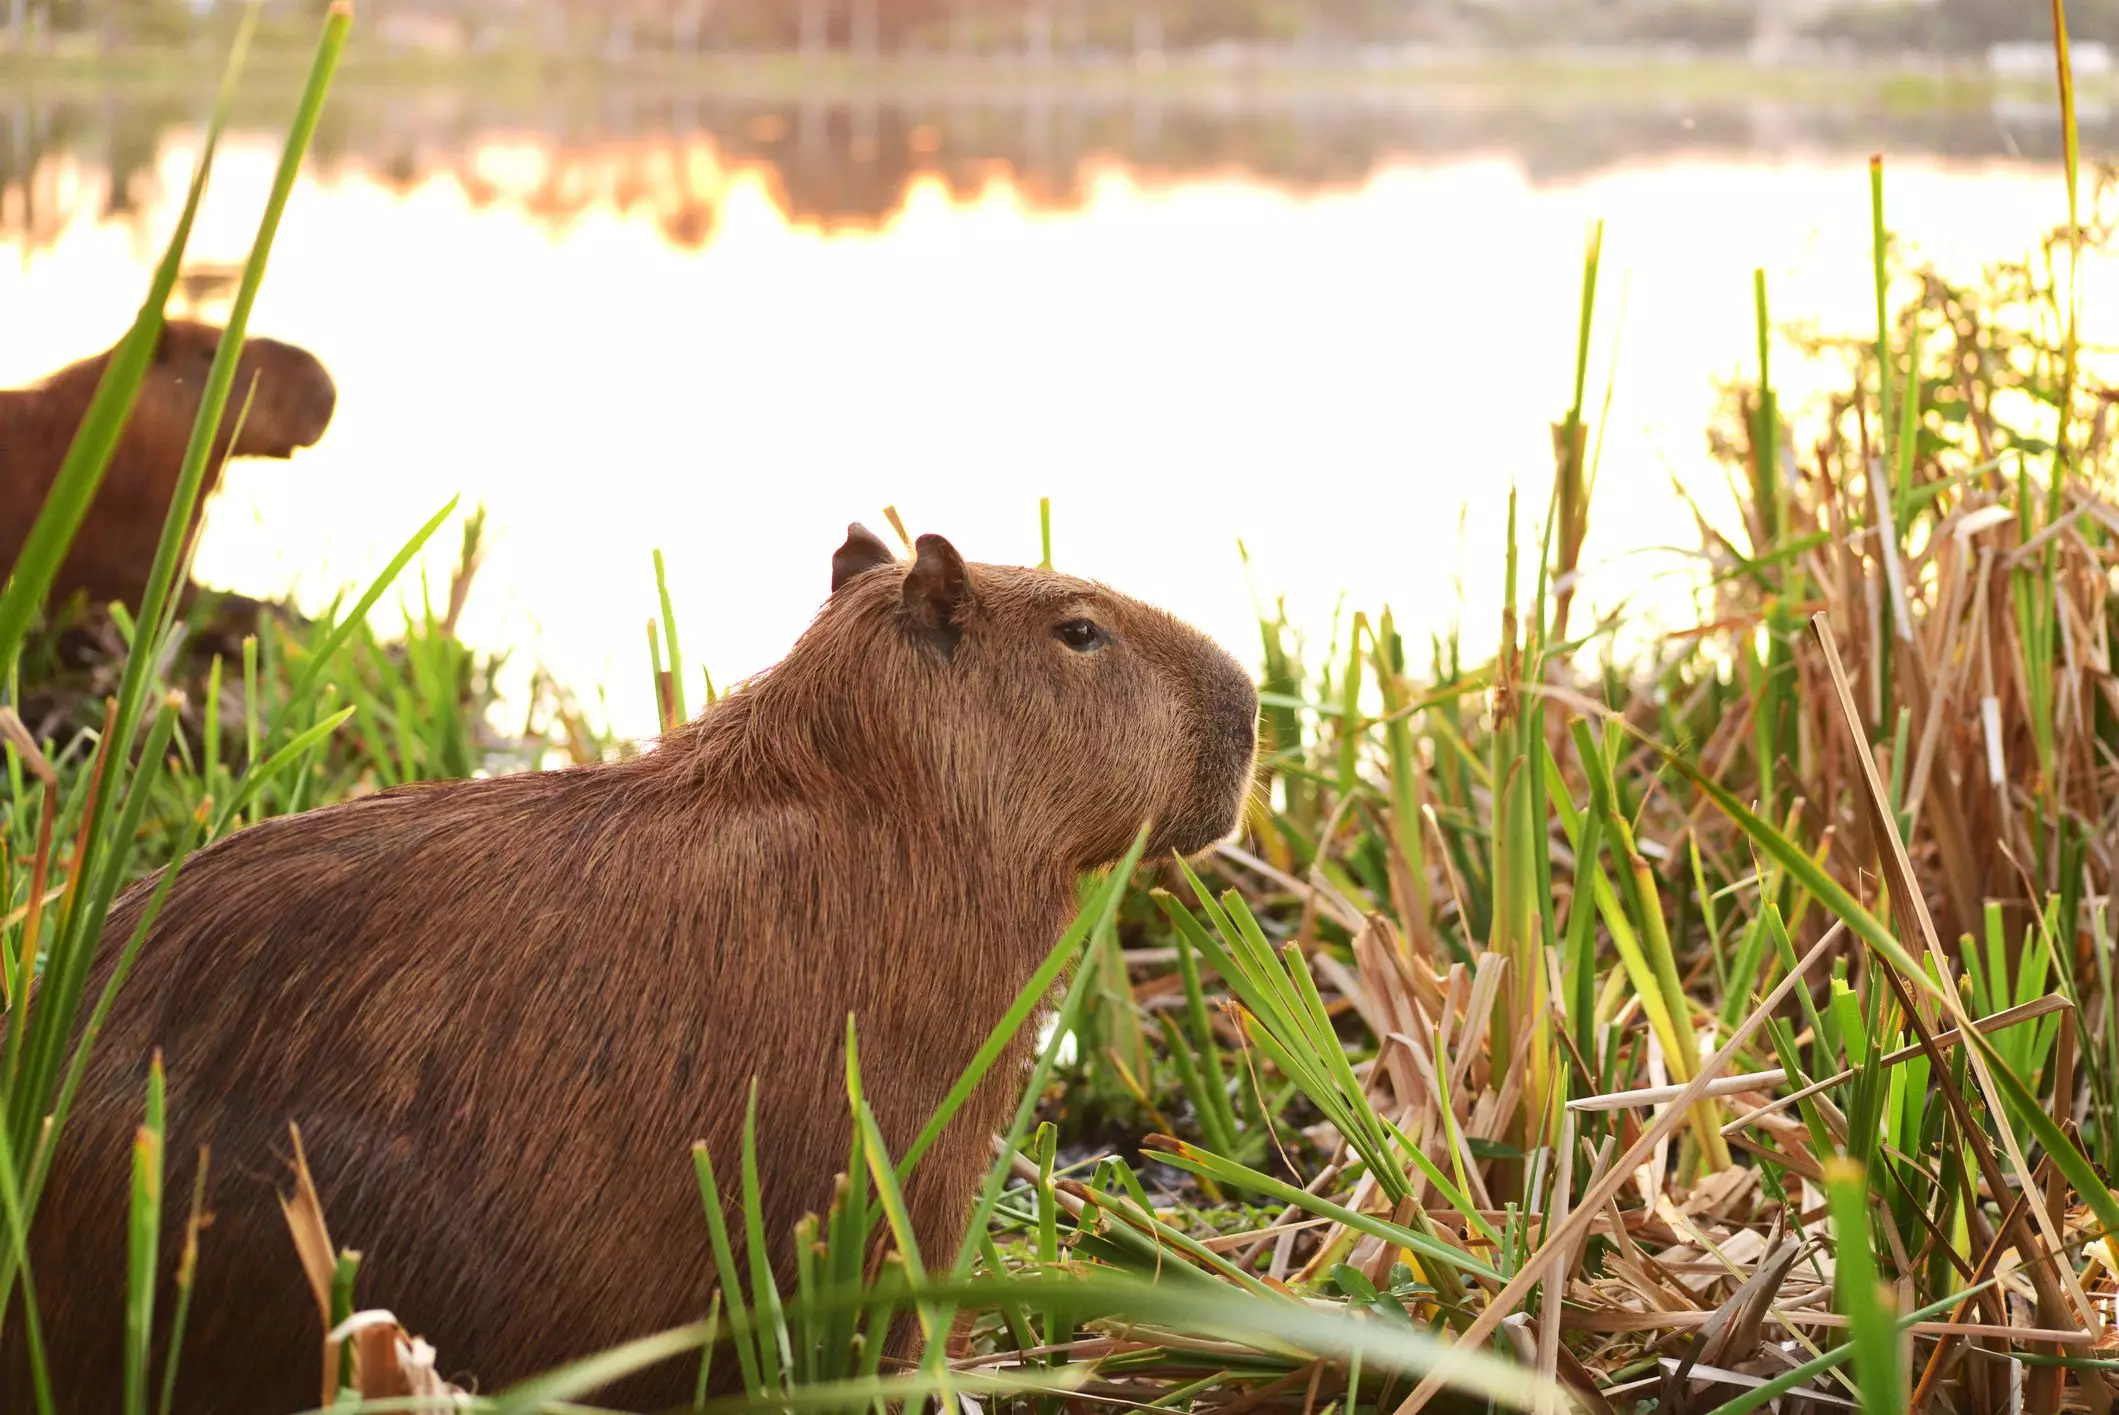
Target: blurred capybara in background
<point>502,1010</point>
<point>111,555</point>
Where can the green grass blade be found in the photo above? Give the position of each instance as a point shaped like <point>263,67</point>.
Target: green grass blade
<point>541,1393</point>
<point>1861,1295</point>
<point>1028,999</point>
<point>343,1277</point>
<point>18,1217</point>
<point>1879,247</point>
<point>321,655</point>
<point>730,1277</point>
<point>669,636</point>
<point>187,1270</point>
<point>1804,870</point>
<point>1226,1171</point>
<point>68,961</point>
<point>266,771</point>
<point>775,1360</point>
<point>143,1240</point>
<point>1103,905</point>
<point>158,600</point>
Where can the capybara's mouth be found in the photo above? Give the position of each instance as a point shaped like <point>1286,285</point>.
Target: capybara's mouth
<point>1194,838</point>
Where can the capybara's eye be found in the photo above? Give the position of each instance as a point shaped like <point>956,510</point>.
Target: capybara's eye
<point>1082,635</point>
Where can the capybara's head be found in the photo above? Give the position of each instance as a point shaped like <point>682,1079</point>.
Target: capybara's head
<point>1051,703</point>
<point>282,396</point>
<point>294,400</point>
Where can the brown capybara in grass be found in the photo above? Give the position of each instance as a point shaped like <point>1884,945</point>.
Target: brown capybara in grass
<point>111,555</point>
<point>502,1011</point>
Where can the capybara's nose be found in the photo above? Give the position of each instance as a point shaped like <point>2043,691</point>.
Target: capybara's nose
<point>307,385</point>
<point>1235,706</point>
<point>1228,741</point>
<point>323,400</point>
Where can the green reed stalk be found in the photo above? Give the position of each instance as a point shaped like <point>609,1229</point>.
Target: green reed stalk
<point>18,1210</point>
<point>1102,912</point>
<point>1218,1117</point>
<point>157,603</point>
<point>37,1046</point>
<point>1057,1327</point>
<point>1351,728</point>
<point>1408,862</point>
<point>1879,1366</point>
<point>343,1274</point>
<point>1090,922</point>
<point>1880,254</point>
<point>1571,486</point>
<point>1580,957</point>
<point>1644,949</point>
<point>776,1360</point>
<point>143,1241</point>
<point>187,1272</point>
<point>731,1288</point>
<point>1773,716</point>
<point>2071,150</point>
<point>1515,927</point>
<point>934,1324</point>
<point>1194,1160</point>
<point>669,635</point>
<point>1280,690</point>
<point>1769,492</point>
<point>852,1228</point>
<point>304,694</point>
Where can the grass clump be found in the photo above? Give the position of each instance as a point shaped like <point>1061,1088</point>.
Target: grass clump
<point>1687,1032</point>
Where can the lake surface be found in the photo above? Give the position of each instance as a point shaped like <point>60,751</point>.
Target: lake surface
<point>1334,326</point>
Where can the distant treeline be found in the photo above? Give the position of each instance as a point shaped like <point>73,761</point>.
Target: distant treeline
<point>1063,30</point>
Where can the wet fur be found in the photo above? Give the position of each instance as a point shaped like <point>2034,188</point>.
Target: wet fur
<point>503,1010</point>
<point>110,557</point>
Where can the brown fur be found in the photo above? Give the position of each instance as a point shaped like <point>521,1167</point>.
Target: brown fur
<point>110,557</point>
<point>502,1010</point>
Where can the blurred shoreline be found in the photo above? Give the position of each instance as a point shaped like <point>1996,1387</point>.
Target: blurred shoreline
<point>1808,75</point>
<point>845,141</point>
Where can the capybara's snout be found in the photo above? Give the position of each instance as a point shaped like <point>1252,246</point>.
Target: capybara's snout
<point>1224,746</point>
<point>294,402</point>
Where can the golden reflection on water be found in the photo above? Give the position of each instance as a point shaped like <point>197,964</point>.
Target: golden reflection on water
<point>1333,378</point>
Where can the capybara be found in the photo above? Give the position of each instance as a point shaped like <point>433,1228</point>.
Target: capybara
<point>501,1011</point>
<point>111,555</point>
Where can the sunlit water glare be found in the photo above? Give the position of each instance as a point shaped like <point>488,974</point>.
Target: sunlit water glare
<point>1350,382</point>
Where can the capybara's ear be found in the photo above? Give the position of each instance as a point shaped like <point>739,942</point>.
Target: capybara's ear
<point>937,593</point>
<point>862,551</point>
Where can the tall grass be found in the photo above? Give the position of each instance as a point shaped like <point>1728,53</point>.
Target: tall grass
<point>1701,1029</point>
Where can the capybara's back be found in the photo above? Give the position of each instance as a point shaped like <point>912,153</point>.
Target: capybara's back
<point>109,559</point>
<point>502,1011</point>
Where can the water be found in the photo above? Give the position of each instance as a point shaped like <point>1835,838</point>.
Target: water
<point>1334,326</point>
